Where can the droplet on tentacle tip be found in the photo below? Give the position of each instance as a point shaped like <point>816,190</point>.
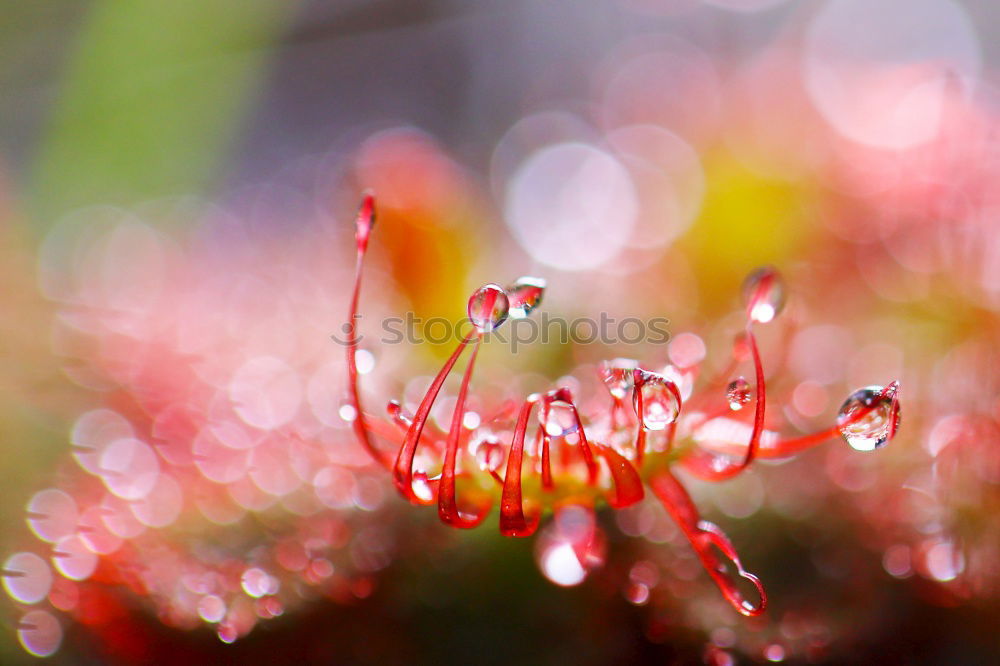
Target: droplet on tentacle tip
<point>661,402</point>
<point>764,294</point>
<point>489,454</point>
<point>488,307</point>
<point>559,419</point>
<point>869,417</point>
<point>617,376</point>
<point>365,221</point>
<point>525,295</point>
<point>738,393</point>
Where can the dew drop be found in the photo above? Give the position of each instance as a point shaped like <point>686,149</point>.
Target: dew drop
<point>738,393</point>
<point>488,307</point>
<point>869,417</point>
<point>617,376</point>
<point>489,454</point>
<point>764,294</point>
<point>660,400</point>
<point>525,295</point>
<point>559,419</point>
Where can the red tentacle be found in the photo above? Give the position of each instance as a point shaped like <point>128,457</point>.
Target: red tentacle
<point>715,468</point>
<point>703,535</point>
<point>364,224</point>
<point>566,395</point>
<point>447,505</point>
<point>628,483</point>
<point>640,437</point>
<point>402,472</point>
<point>513,521</point>
<point>546,462</point>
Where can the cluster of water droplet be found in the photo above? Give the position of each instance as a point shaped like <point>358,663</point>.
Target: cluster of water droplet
<point>491,304</point>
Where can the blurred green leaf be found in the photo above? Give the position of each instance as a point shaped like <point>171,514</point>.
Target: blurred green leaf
<point>153,96</point>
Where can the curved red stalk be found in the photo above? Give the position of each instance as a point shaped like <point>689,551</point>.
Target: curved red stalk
<point>789,447</point>
<point>566,396</point>
<point>543,432</point>
<point>402,471</point>
<point>640,437</point>
<point>703,535</point>
<point>546,462</point>
<point>628,483</point>
<point>512,519</point>
<point>363,224</point>
<point>447,505</point>
<point>715,468</point>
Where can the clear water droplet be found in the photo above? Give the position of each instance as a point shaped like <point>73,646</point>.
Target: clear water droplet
<point>764,294</point>
<point>661,403</point>
<point>559,419</point>
<point>738,393</point>
<point>869,417</point>
<point>525,295</point>
<point>489,454</point>
<point>617,376</point>
<point>488,307</point>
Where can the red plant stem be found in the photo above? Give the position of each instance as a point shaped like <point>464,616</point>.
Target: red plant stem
<point>363,224</point>
<point>703,535</point>
<point>546,461</point>
<point>403,419</point>
<point>640,437</point>
<point>402,472</point>
<point>588,455</point>
<point>715,468</point>
<point>512,518</point>
<point>447,505</point>
<point>789,447</point>
<point>628,483</point>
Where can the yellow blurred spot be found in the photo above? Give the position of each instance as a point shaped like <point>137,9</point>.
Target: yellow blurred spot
<point>746,221</point>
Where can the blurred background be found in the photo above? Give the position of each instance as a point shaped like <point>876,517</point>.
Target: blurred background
<point>177,188</point>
